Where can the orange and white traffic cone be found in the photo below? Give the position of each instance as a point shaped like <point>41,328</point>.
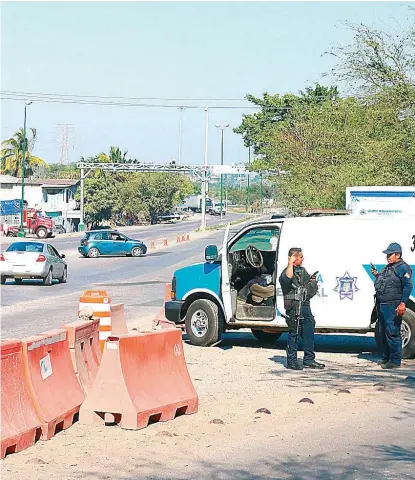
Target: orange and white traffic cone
<point>183,238</point>
<point>178,239</point>
<point>153,245</point>
<point>165,244</point>
<point>188,238</point>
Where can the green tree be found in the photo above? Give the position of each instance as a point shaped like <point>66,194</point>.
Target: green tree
<point>12,155</point>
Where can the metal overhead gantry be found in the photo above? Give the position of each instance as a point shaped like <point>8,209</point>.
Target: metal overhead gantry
<point>202,172</point>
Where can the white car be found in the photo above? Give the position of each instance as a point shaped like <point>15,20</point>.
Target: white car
<point>27,259</point>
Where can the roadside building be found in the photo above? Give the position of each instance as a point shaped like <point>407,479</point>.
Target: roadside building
<point>53,197</point>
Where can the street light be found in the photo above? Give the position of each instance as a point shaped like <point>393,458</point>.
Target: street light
<point>222,129</point>
<point>21,229</point>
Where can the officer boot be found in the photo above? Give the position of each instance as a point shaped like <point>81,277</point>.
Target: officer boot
<point>294,366</point>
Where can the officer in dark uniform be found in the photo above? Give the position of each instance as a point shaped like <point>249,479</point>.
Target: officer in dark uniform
<point>393,286</point>
<point>298,288</point>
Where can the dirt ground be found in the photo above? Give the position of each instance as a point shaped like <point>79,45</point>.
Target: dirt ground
<point>360,426</point>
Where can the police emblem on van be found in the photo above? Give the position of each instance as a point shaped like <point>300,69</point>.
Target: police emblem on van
<point>346,286</point>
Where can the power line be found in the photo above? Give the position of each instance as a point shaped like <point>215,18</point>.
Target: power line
<point>123,104</point>
<point>132,101</point>
<point>106,97</point>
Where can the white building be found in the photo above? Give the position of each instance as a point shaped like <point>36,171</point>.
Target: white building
<point>53,197</point>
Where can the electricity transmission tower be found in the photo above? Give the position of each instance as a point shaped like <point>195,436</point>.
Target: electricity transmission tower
<point>65,131</point>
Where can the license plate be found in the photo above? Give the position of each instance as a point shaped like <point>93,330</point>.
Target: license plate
<point>18,267</point>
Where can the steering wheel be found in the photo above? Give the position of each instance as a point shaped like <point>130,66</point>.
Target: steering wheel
<point>254,257</point>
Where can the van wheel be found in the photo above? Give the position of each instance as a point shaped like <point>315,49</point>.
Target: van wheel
<point>204,323</point>
<point>407,333</point>
<point>265,338</point>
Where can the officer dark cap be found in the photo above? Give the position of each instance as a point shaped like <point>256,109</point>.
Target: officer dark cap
<point>393,248</point>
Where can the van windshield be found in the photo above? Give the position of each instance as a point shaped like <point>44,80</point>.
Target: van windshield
<point>261,238</point>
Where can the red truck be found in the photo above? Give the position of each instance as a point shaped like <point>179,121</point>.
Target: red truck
<point>33,223</point>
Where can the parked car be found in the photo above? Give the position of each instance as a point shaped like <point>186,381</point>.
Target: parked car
<point>57,229</point>
<point>28,259</point>
<point>110,242</point>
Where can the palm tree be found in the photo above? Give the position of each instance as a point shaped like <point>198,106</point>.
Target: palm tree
<point>115,156</point>
<point>12,155</point>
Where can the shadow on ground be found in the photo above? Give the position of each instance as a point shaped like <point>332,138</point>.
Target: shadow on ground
<point>373,463</point>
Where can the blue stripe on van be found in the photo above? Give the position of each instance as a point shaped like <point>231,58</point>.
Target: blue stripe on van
<point>381,193</point>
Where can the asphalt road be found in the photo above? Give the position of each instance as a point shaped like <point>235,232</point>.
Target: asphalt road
<point>67,242</point>
<point>139,283</point>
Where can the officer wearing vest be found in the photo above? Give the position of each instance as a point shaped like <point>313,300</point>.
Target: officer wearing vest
<point>393,286</point>
<point>298,288</point>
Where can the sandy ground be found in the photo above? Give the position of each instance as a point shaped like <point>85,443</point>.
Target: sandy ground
<point>360,426</point>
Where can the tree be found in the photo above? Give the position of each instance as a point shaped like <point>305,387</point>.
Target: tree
<point>256,129</point>
<point>327,143</point>
<point>376,59</point>
<point>12,155</point>
<point>130,197</point>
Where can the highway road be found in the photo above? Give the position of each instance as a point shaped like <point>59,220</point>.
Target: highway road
<point>139,283</point>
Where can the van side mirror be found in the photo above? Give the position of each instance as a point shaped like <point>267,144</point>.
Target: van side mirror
<point>63,255</point>
<point>211,253</point>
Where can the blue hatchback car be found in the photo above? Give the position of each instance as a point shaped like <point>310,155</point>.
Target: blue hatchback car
<point>110,242</point>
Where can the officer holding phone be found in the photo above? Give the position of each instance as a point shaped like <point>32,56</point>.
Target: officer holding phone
<point>393,285</point>
<point>295,282</point>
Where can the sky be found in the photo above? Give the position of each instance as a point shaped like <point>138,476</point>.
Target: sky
<point>186,50</point>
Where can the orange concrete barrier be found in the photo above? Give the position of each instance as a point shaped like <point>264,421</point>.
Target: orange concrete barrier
<point>83,338</point>
<point>160,319</point>
<point>118,321</point>
<point>142,379</point>
<point>165,243</point>
<point>100,304</point>
<point>54,388</point>
<point>20,426</point>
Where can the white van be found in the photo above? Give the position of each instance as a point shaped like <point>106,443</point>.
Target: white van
<point>210,297</point>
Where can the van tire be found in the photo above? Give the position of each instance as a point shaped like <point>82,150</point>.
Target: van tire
<point>408,322</point>
<point>265,338</point>
<point>204,323</point>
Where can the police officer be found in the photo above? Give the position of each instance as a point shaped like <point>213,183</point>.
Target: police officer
<point>293,280</point>
<point>393,286</point>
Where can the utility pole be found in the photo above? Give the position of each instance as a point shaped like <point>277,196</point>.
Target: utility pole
<point>63,132</point>
<point>248,193</point>
<point>180,136</point>
<point>222,128</point>
<point>204,173</point>
<point>21,229</point>
<point>81,226</point>
<point>260,194</point>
